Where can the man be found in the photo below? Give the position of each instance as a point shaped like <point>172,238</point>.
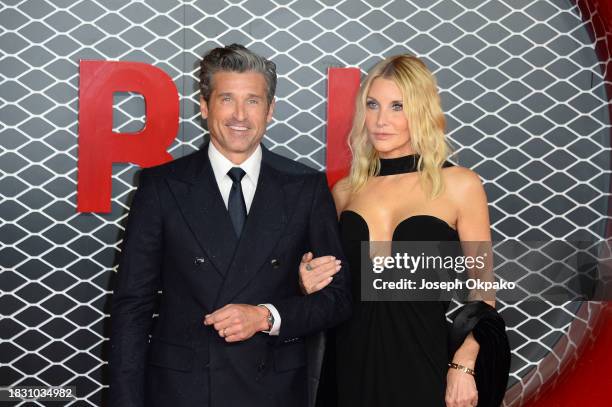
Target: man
<point>221,233</point>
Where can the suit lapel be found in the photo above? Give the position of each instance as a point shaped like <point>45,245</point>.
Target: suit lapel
<point>201,204</point>
<point>272,205</point>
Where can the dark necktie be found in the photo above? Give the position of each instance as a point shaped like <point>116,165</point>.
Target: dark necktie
<point>235,204</point>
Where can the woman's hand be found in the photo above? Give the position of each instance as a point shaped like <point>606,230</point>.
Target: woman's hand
<point>316,274</point>
<point>460,389</point>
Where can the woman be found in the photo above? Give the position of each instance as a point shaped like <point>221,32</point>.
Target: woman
<point>401,188</point>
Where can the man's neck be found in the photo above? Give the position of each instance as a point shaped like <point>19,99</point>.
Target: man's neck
<point>235,158</point>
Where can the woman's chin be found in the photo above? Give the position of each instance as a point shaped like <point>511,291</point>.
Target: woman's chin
<point>388,151</point>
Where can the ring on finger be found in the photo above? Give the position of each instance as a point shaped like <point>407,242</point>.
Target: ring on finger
<point>308,267</point>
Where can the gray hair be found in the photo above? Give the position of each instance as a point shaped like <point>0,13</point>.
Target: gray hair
<point>235,58</point>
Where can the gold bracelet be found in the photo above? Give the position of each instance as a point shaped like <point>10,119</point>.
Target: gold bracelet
<point>462,368</point>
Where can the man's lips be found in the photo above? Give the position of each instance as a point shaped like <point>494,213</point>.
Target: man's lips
<point>238,128</point>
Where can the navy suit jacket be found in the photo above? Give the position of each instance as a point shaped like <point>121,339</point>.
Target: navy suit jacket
<point>179,239</point>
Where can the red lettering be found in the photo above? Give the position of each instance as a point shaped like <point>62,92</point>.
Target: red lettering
<point>100,146</point>
<point>342,88</point>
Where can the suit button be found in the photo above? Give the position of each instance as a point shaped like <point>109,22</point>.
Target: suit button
<point>275,263</point>
<point>261,367</point>
<point>199,260</point>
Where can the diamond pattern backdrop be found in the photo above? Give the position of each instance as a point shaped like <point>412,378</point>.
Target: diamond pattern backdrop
<point>521,86</point>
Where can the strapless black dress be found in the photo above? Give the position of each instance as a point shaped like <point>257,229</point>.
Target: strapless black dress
<point>388,353</point>
<point>396,354</point>
<point>392,353</point>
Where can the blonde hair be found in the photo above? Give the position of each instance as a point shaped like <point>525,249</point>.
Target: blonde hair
<point>425,120</point>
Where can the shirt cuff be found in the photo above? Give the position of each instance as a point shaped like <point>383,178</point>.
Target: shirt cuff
<point>275,330</point>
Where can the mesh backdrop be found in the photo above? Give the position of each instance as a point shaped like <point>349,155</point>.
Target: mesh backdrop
<point>521,86</point>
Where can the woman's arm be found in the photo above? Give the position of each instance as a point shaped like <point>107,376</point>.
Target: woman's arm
<point>473,225</point>
<point>474,230</point>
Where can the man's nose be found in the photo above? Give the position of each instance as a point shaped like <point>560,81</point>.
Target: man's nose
<point>240,112</point>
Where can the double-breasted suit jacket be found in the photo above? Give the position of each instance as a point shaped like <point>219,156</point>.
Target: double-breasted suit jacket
<point>179,239</point>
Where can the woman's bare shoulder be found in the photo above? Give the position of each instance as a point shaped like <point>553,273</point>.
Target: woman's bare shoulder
<point>464,187</point>
<point>461,179</point>
<point>341,192</point>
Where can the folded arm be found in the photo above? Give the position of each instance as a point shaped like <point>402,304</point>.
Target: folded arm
<point>304,315</point>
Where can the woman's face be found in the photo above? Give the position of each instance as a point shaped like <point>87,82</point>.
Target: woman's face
<point>386,121</point>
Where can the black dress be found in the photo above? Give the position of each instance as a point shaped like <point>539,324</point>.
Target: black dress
<point>388,353</point>
<point>392,353</point>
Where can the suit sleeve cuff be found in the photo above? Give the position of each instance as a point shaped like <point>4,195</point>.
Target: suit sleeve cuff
<point>274,331</point>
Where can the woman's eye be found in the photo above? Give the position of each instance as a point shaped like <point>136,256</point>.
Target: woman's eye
<point>371,105</point>
<point>397,107</point>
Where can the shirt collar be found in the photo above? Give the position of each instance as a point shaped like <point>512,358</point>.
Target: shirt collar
<point>221,164</point>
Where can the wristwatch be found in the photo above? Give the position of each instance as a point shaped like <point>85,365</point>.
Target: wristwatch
<point>270,319</point>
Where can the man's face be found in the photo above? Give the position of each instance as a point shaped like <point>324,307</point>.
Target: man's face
<point>237,113</point>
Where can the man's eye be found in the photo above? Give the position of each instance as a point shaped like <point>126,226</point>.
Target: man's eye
<point>397,107</point>
<point>371,105</point>
<point>226,99</point>
<point>253,101</point>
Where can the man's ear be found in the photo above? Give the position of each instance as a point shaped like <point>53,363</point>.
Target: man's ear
<point>270,111</point>
<point>203,108</point>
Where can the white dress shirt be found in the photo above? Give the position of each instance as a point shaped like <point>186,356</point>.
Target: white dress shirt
<point>251,166</point>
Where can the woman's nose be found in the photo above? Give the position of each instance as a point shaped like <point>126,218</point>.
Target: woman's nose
<point>380,119</point>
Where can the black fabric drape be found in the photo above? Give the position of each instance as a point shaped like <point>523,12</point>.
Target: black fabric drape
<point>493,360</point>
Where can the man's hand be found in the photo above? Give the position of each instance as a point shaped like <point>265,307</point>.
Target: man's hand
<point>317,273</point>
<point>238,322</point>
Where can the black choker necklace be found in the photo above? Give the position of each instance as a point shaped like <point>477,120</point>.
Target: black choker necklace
<point>399,165</point>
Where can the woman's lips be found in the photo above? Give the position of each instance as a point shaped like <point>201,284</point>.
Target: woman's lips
<point>382,136</point>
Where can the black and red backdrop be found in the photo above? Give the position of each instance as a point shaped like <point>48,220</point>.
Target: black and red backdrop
<point>525,88</point>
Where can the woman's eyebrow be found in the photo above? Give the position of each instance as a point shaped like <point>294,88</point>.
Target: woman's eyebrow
<point>392,102</point>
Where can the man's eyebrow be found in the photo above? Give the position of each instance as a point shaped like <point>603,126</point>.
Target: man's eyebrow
<point>250,95</point>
